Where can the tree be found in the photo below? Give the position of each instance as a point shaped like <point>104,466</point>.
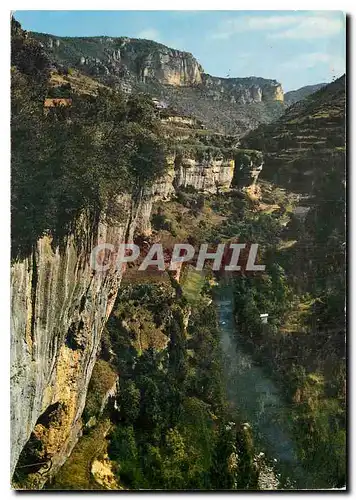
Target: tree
<point>129,400</point>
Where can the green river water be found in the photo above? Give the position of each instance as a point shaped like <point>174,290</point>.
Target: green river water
<point>259,401</point>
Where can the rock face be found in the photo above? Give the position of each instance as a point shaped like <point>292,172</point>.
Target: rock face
<point>210,175</point>
<point>169,67</point>
<point>103,474</point>
<point>110,395</point>
<point>130,59</point>
<point>243,90</point>
<point>248,166</point>
<point>227,105</point>
<point>146,61</point>
<point>59,306</point>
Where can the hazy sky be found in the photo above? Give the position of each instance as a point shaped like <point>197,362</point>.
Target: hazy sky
<point>296,48</point>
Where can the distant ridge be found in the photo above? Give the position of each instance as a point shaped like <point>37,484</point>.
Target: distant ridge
<point>299,94</point>
<point>227,105</point>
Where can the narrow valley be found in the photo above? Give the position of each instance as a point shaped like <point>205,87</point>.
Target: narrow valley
<point>164,376</point>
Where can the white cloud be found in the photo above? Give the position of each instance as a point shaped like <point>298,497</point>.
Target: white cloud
<point>335,64</point>
<point>242,24</point>
<point>306,26</point>
<point>149,34</point>
<point>312,27</point>
<point>271,22</point>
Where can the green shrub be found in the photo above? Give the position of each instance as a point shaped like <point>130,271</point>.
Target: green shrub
<point>102,380</point>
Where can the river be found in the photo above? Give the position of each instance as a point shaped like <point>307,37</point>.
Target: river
<point>258,400</point>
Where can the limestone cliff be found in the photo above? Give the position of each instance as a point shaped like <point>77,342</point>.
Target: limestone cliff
<point>205,173</point>
<point>147,60</point>
<point>137,60</point>
<point>210,174</point>
<point>59,306</point>
<point>243,90</point>
<point>127,59</point>
<point>228,105</point>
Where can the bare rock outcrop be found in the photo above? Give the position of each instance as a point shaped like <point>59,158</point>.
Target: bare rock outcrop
<point>59,306</point>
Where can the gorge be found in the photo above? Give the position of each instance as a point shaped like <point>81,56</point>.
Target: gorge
<point>115,167</point>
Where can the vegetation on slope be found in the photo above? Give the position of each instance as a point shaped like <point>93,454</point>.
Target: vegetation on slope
<point>304,342</point>
<point>297,95</point>
<point>76,472</point>
<point>302,289</point>
<point>74,158</point>
<point>300,145</point>
<point>172,429</point>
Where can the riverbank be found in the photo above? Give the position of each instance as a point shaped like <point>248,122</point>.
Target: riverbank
<point>259,400</point>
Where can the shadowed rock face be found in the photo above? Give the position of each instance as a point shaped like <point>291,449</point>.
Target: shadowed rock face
<point>248,166</point>
<point>59,306</point>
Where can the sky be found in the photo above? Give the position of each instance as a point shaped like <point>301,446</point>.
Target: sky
<point>296,48</point>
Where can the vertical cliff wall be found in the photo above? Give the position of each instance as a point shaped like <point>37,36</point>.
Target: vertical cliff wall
<point>207,173</point>
<point>58,308</point>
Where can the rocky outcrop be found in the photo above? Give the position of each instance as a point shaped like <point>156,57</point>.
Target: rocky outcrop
<point>206,173</point>
<point>59,306</point>
<point>145,61</point>
<point>169,67</point>
<point>102,472</point>
<point>110,395</point>
<point>248,166</point>
<point>184,121</point>
<point>129,59</point>
<point>243,90</point>
<point>227,105</point>
<point>211,175</point>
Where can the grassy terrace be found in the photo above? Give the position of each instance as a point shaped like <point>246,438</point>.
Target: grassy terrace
<point>192,284</point>
<point>76,472</point>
